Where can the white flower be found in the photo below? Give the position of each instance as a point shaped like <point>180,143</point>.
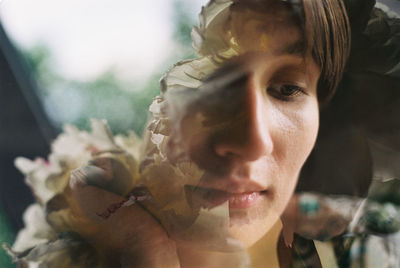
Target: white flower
<point>53,214</point>
<point>70,150</point>
<point>44,178</point>
<point>37,230</point>
<point>207,37</point>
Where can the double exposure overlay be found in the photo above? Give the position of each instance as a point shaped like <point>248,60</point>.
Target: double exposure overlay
<point>277,146</point>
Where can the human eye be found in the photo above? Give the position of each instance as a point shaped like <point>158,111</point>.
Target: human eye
<point>285,92</point>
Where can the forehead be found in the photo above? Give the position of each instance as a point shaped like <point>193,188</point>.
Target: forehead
<point>269,27</point>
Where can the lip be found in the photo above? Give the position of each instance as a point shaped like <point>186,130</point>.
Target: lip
<point>210,198</point>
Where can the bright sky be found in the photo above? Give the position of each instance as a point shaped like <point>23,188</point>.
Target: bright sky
<point>86,37</point>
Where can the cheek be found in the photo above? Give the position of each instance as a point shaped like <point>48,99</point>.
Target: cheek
<point>295,133</point>
<point>294,138</point>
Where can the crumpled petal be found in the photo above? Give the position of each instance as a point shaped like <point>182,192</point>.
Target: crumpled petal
<point>166,184</point>
<point>188,74</point>
<point>56,211</point>
<point>42,176</point>
<point>37,229</point>
<point>385,162</point>
<point>61,253</point>
<point>375,46</point>
<point>207,37</point>
<point>210,230</point>
<point>131,144</point>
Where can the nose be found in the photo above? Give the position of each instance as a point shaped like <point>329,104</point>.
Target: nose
<point>248,136</point>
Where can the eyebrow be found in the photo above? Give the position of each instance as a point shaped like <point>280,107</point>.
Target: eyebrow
<point>284,71</point>
<point>295,48</point>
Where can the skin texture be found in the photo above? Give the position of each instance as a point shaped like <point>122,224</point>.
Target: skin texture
<point>250,135</point>
<point>130,238</point>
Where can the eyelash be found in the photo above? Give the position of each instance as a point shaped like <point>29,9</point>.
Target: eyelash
<point>276,91</point>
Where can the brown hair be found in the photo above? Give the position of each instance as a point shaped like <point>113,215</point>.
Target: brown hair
<point>327,31</point>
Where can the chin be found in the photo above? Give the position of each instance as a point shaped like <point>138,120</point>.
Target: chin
<point>224,229</point>
<point>250,225</point>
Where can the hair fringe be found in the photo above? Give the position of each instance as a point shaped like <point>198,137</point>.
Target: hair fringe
<point>328,37</point>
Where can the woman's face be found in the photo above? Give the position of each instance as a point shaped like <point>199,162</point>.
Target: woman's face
<point>251,127</point>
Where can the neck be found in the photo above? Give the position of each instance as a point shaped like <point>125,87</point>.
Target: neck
<point>262,254</point>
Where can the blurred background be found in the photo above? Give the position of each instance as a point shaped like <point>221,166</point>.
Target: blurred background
<point>68,61</point>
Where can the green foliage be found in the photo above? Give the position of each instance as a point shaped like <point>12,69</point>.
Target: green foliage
<point>37,58</point>
<point>6,236</point>
<point>125,109</point>
<point>38,61</point>
<point>183,23</point>
<point>106,97</point>
<point>123,104</point>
